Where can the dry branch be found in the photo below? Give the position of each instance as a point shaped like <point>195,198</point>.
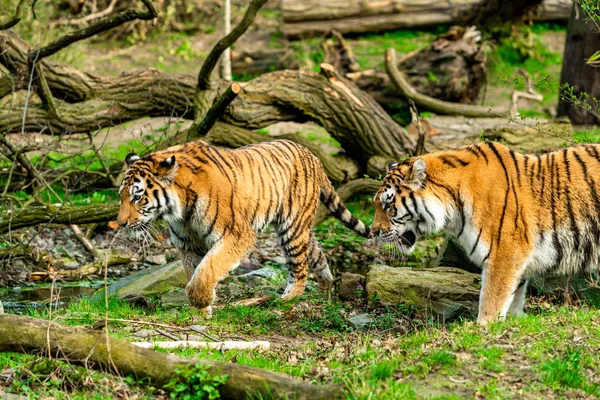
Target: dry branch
<point>100,26</point>
<point>195,344</point>
<point>435,105</point>
<point>89,347</point>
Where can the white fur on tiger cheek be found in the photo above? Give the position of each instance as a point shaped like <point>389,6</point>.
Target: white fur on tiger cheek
<point>387,195</point>
<point>434,216</point>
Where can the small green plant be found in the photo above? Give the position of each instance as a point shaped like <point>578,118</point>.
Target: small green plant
<point>195,383</point>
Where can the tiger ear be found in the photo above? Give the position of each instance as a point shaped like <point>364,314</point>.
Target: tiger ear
<point>390,165</point>
<point>167,170</point>
<point>131,158</point>
<point>417,174</point>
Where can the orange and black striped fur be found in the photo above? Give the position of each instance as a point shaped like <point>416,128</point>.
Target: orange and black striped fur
<point>216,200</point>
<point>515,215</point>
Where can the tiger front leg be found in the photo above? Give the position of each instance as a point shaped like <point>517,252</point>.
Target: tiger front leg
<point>222,258</point>
<point>500,281</point>
<point>296,250</point>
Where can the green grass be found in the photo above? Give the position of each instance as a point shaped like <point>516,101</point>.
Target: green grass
<point>540,355</point>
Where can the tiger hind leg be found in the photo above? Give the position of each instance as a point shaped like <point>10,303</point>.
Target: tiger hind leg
<point>318,265</point>
<point>296,250</point>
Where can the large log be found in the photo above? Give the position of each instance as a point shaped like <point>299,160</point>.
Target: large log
<point>361,126</point>
<point>94,349</point>
<point>313,17</point>
<point>57,214</point>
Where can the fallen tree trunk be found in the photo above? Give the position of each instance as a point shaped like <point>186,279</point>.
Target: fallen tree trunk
<point>304,18</point>
<point>361,126</point>
<point>57,214</point>
<point>92,348</point>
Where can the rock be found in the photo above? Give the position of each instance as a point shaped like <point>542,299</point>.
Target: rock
<point>266,273</point>
<point>360,321</point>
<point>442,292</point>
<point>156,259</point>
<point>280,260</point>
<point>350,285</point>
<point>247,266</point>
<point>174,299</point>
<point>151,281</point>
<point>11,396</point>
<point>144,333</point>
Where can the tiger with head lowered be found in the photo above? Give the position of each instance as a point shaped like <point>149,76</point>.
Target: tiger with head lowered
<point>216,200</point>
<point>515,215</point>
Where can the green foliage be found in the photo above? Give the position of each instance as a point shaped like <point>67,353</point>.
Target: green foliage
<point>195,383</point>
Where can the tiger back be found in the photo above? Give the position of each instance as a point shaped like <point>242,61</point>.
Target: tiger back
<point>517,216</point>
<point>216,200</point>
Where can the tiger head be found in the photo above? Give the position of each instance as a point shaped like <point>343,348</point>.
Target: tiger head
<point>404,207</point>
<point>146,191</point>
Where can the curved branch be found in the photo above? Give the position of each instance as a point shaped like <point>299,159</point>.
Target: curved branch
<point>102,25</point>
<point>435,105</point>
<point>226,42</point>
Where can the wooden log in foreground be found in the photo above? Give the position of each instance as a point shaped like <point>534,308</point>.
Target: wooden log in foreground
<point>88,347</point>
<point>304,18</point>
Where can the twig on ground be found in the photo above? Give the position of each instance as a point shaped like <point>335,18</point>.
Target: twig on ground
<point>84,240</point>
<point>193,344</point>
<point>167,334</point>
<point>200,330</point>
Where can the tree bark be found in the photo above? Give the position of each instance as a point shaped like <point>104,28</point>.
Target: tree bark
<point>304,18</point>
<point>93,349</point>
<point>361,126</point>
<point>495,13</point>
<point>583,39</point>
<point>53,214</point>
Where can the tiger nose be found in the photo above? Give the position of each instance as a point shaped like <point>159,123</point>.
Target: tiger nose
<point>122,223</point>
<point>375,231</point>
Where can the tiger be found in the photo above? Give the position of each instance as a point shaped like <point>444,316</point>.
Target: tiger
<point>215,201</point>
<point>517,216</point>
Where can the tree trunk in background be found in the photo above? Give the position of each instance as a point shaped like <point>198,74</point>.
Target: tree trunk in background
<point>304,18</point>
<point>583,39</point>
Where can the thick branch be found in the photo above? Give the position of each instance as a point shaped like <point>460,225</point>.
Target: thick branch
<point>437,106</point>
<point>216,110</point>
<point>94,349</point>
<point>226,42</point>
<point>61,214</point>
<point>102,25</point>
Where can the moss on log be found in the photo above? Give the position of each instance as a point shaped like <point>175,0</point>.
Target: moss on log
<point>57,214</point>
<point>94,349</point>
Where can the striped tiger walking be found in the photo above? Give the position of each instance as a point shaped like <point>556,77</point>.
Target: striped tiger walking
<point>517,216</point>
<point>216,200</point>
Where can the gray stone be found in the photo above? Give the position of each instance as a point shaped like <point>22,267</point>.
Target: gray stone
<point>156,259</point>
<point>350,285</point>
<point>443,293</point>
<point>280,260</point>
<point>247,266</point>
<point>266,273</point>
<point>11,396</point>
<point>360,321</point>
<point>174,299</point>
<point>151,281</point>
